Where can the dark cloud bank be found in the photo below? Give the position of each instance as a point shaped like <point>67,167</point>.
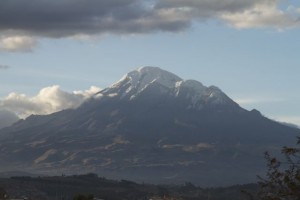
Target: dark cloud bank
<point>62,18</point>
<point>22,22</point>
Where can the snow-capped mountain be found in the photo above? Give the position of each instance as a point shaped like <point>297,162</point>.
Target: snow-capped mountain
<point>137,81</point>
<point>150,126</point>
<point>140,81</point>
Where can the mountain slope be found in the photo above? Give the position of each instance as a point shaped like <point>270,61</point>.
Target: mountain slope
<point>150,126</point>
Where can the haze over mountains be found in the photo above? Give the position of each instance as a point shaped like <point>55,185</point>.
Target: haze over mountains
<point>150,126</point>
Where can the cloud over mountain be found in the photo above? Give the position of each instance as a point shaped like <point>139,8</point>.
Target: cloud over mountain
<point>48,100</point>
<point>20,20</point>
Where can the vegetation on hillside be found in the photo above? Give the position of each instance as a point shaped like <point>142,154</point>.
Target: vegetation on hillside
<point>283,177</point>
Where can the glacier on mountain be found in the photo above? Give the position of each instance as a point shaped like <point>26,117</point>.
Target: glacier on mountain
<point>137,81</point>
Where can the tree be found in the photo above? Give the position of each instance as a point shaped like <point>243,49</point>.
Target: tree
<point>3,194</point>
<point>283,177</point>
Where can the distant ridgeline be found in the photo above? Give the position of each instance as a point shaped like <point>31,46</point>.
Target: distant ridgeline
<point>88,186</point>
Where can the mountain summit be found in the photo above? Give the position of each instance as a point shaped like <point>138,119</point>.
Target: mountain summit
<point>155,81</point>
<point>150,126</point>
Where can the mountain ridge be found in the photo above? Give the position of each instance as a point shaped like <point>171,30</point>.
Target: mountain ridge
<point>137,81</point>
<point>154,130</point>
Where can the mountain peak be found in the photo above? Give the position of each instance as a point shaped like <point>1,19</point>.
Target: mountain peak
<point>144,76</point>
<point>161,82</point>
<point>138,80</point>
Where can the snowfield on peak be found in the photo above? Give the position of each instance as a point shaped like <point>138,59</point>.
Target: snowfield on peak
<point>144,76</point>
<point>138,81</point>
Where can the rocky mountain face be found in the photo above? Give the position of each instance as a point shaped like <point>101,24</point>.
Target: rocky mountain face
<point>150,126</point>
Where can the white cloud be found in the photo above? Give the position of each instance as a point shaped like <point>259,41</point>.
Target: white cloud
<point>288,119</point>
<point>87,93</point>
<point>48,100</point>
<point>17,43</point>
<point>264,15</point>
<point>259,100</point>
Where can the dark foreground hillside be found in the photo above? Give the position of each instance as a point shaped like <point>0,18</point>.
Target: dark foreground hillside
<point>66,187</point>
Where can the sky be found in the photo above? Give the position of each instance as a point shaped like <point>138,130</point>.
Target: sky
<point>54,54</point>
